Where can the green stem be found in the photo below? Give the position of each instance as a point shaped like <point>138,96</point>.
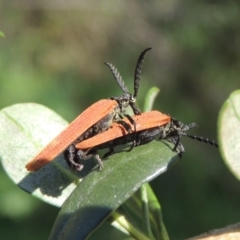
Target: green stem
<point>155,209</point>
<point>128,226</point>
<point>145,209</point>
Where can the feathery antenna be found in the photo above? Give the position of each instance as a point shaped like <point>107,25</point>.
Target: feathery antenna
<point>138,70</point>
<point>118,78</point>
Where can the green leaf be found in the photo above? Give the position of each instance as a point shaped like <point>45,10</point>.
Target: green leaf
<point>145,210</point>
<point>25,130</point>
<point>2,34</point>
<point>102,192</point>
<point>156,214</point>
<point>150,99</point>
<point>229,129</point>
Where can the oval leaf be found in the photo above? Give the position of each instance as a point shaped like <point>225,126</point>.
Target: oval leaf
<point>25,130</point>
<point>229,129</point>
<point>100,193</point>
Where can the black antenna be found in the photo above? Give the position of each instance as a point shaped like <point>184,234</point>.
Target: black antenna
<point>128,97</point>
<point>202,139</point>
<point>178,129</point>
<point>118,78</point>
<point>138,70</point>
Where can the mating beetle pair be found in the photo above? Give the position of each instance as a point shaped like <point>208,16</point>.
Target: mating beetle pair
<point>95,119</point>
<point>85,135</point>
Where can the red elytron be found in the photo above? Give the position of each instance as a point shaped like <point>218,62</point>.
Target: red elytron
<point>72,132</point>
<point>145,121</point>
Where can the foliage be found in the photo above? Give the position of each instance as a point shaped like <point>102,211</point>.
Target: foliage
<point>100,194</point>
<point>53,54</point>
<point>2,34</point>
<point>229,127</point>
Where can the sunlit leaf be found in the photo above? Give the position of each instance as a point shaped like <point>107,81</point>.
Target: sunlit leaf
<point>24,130</point>
<point>108,230</point>
<point>229,129</point>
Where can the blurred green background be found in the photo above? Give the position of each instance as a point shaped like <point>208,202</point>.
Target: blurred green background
<point>53,54</point>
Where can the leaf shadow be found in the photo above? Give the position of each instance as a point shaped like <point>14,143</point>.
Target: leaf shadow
<point>52,179</point>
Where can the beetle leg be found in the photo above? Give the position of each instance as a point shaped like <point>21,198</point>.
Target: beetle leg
<point>131,121</point>
<point>110,152</point>
<point>176,142</point>
<point>128,128</point>
<point>125,125</point>
<point>85,156</point>
<point>177,145</point>
<point>134,140</point>
<point>99,160</point>
<point>70,157</point>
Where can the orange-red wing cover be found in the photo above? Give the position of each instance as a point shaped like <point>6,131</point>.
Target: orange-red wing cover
<point>144,121</point>
<point>84,121</point>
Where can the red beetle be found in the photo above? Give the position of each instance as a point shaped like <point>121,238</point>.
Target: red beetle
<point>149,126</point>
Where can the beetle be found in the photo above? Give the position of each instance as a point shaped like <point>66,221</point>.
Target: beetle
<point>149,126</point>
<point>95,119</point>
